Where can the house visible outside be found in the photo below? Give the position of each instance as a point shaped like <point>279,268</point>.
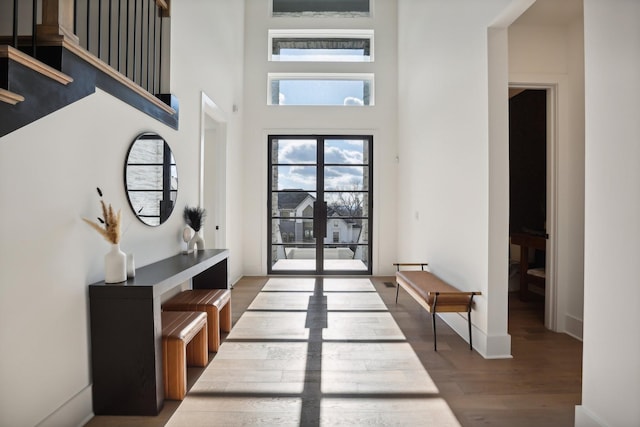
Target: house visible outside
<point>340,231</point>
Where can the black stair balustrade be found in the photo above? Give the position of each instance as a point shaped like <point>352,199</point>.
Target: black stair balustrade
<point>126,34</point>
<point>18,12</point>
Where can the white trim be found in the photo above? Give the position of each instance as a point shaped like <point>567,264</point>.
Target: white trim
<point>584,418</point>
<point>213,155</point>
<point>321,76</point>
<point>76,411</point>
<point>489,347</point>
<point>573,326</point>
<point>210,109</point>
<point>316,33</point>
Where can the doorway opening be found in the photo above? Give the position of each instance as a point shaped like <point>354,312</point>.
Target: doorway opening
<point>320,204</point>
<point>532,198</point>
<point>213,173</point>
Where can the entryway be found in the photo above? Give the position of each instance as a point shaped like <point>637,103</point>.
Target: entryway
<point>320,204</point>
<point>213,172</point>
<point>531,199</point>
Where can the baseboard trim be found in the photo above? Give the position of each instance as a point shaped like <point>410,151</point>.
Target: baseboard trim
<point>584,418</point>
<point>233,282</point>
<point>573,326</point>
<point>77,411</point>
<point>489,347</point>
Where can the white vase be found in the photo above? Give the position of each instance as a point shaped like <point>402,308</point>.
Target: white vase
<point>187,234</point>
<point>115,265</point>
<point>196,242</point>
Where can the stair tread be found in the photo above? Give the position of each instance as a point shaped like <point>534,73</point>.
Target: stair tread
<point>10,97</point>
<point>16,55</point>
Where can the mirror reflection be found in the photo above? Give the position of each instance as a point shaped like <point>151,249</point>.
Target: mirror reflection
<point>151,179</point>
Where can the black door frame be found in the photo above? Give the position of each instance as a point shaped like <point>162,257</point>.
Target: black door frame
<point>320,206</point>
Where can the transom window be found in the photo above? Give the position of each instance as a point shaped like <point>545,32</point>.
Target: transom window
<point>321,89</point>
<point>323,7</point>
<point>321,46</point>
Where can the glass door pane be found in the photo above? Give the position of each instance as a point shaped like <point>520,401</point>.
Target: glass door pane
<point>346,193</point>
<point>293,183</point>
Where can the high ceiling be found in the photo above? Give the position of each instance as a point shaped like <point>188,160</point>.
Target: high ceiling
<point>551,12</point>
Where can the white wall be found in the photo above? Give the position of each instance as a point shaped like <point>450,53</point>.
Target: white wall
<point>262,120</point>
<point>611,351</point>
<point>445,152</point>
<point>552,56</point>
<point>210,60</point>
<point>48,256</point>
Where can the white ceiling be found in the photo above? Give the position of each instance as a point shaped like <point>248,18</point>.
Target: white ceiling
<point>551,12</point>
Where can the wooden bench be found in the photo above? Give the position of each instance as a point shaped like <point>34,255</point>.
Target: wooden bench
<point>215,302</point>
<point>184,342</point>
<point>435,295</point>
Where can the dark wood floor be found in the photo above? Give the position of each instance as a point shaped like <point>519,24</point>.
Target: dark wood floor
<point>539,386</point>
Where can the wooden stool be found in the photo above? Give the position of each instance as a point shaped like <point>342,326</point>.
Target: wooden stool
<point>184,341</point>
<point>215,302</point>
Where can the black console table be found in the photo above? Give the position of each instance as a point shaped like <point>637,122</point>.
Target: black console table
<point>126,330</point>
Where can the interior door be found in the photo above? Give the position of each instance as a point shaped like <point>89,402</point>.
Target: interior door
<point>320,204</point>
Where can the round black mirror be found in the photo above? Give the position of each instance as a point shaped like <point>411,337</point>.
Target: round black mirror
<point>151,178</point>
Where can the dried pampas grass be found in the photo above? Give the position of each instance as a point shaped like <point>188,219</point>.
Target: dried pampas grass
<point>111,222</point>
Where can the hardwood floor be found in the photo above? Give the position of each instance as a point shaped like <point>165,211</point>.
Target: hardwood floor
<point>539,386</point>
<point>336,353</point>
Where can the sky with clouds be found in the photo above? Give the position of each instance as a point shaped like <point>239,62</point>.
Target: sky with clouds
<point>340,158</point>
<point>321,92</point>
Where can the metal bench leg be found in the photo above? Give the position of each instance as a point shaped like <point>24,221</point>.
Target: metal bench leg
<point>435,342</point>
<point>397,290</point>
<point>470,335</point>
<point>433,316</point>
<point>469,320</point>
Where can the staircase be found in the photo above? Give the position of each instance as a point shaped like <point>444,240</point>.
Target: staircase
<point>34,89</point>
<point>43,73</point>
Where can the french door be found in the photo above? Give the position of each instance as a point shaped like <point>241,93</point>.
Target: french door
<point>320,204</point>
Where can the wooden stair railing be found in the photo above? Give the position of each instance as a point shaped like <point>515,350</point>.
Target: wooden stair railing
<point>57,21</point>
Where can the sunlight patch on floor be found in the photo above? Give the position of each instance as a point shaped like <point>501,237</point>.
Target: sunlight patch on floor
<point>315,351</point>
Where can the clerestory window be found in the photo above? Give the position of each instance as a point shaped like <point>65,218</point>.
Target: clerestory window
<point>320,89</point>
<point>321,46</point>
<point>321,7</point>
